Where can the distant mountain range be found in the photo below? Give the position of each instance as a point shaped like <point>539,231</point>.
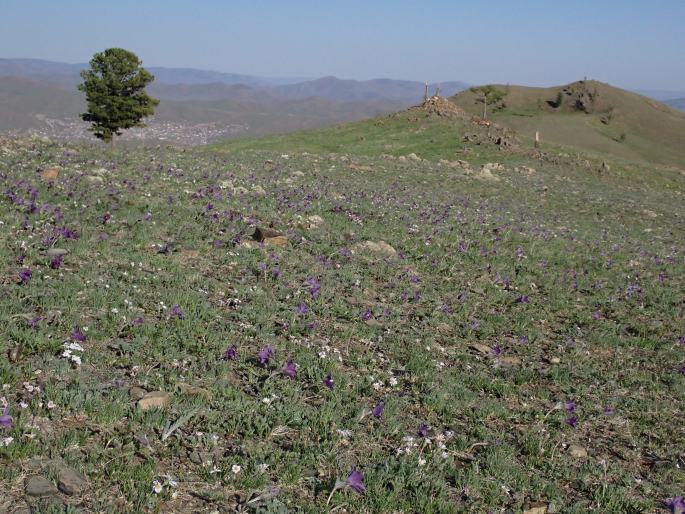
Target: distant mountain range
<point>34,93</point>
<point>676,103</point>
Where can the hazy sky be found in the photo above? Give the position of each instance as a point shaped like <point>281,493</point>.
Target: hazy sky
<point>629,43</point>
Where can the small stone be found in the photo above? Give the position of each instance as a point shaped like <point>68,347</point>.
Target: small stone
<point>154,400</point>
<point>94,179</point>
<point>136,393</point>
<point>195,457</point>
<point>276,241</point>
<point>380,247</point>
<point>50,174</point>
<point>577,452</point>
<point>413,157</point>
<point>481,348</point>
<point>260,234</point>
<point>259,190</point>
<point>493,166</point>
<point>71,482</point>
<point>56,252</point>
<point>486,174</point>
<point>38,486</point>
<point>536,508</point>
<point>249,244</point>
<point>315,221</point>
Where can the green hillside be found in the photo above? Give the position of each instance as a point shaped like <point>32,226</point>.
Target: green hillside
<point>591,116</point>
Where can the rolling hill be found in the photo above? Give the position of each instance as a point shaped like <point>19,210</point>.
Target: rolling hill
<point>590,116</point>
<point>450,129</point>
<point>26,103</point>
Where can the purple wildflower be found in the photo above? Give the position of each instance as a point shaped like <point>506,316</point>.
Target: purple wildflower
<point>328,381</point>
<point>572,421</point>
<point>25,275</point>
<point>675,504</point>
<point>523,299</point>
<point>523,340</point>
<point>33,322</point>
<point>290,369</point>
<point>139,320</point>
<point>423,430</point>
<point>231,353</point>
<point>475,324</point>
<point>378,410</point>
<point>570,406</point>
<point>176,312</point>
<point>265,354</point>
<point>682,370</point>
<point>77,335</point>
<point>56,261</point>
<point>314,287</point>
<point>6,419</point>
<point>302,309</point>
<point>608,411</point>
<point>681,340</point>
<point>355,481</point>
<point>496,351</point>
<point>367,315</point>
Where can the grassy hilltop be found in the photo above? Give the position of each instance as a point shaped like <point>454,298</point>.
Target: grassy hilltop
<point>592,116</point>
<point>506,338</point>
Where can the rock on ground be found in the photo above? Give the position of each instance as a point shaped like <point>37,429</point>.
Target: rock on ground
<point>39,487</point>
<point>70,482</point>
<point>154,399</point>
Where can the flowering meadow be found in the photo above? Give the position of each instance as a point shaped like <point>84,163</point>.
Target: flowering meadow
<point>402,335</point>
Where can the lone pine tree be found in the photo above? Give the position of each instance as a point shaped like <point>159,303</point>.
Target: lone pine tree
<point>115,92</point>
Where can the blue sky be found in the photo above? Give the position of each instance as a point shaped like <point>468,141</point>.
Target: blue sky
<point>629,43</point>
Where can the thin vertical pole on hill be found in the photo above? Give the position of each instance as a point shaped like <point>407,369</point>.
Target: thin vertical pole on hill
<point>537,139</point>
<point>425,92</point>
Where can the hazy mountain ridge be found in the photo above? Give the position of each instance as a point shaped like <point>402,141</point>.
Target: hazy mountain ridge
<point>676,103</point>
<point>42,96</point>
<point>194,84</point>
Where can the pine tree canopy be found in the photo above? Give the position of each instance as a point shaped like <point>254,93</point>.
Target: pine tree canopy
<point>115,92</point>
